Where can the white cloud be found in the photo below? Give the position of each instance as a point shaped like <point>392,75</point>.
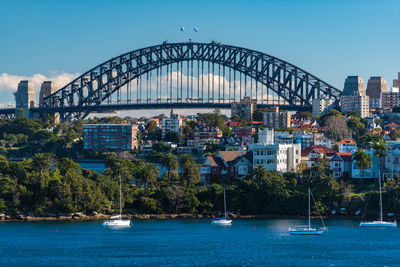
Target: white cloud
<point>9,82</point>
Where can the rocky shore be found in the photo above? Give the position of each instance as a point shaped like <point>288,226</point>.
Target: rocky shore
<point>96,217</point>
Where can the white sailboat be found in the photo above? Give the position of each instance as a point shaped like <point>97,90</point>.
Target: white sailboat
<point>225,220</point>
<point>304,229</point>
<point>117,221</point>
<point>380,222</point>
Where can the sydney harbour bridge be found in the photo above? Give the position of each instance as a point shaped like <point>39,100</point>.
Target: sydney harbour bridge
<point>186,75</point>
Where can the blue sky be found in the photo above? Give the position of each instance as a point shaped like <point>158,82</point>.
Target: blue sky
<point>331,39</point>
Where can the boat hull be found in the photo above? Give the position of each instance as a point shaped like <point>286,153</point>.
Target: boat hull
<point>117,223</point>
<point>222,222</point>
<point>378,224</point>
<point>307,232</point>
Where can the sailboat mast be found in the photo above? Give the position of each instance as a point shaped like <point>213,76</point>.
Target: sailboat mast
<point>380,198</point>
<point>309,210</point>
<point>120,196</point>
<point>224,204</point>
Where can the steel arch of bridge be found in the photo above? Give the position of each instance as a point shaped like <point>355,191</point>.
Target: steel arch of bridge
<point>93,90</point>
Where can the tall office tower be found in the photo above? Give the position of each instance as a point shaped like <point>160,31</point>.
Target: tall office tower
<point>376,86</point>
<point>47,88</point>
<point>353,83</point>
<point>354,97</point>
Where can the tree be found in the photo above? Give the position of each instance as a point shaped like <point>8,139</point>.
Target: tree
<point>306,114</point>
<point>172,137</point>
<point>395,134</point>
<point>336,127</point>
<point>187,131</point>
<point>379,121</point>
<point>170,162</point>
<point>190,174</point>
<point>151,126</point>
<point>356,126</point>
<point>363,160</point>
<point>380,151</point>
<point>147,174</point>
<point>258,114</point>
<point>42,162</point>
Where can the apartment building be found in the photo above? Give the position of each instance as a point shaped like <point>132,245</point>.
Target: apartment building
<point>110,137</point>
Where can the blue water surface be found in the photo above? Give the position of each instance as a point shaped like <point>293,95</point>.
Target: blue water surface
<point>196,243</point>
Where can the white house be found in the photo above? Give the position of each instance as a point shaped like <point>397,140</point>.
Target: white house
<point>322,141</point>
<point>372,172</point>
<point>347,145</point>
<point>392,158</point>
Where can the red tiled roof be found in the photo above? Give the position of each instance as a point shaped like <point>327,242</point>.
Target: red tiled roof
<point>256,122</point>
<point>348,141</point>
<point>212,161</point>
<point>346,156</point>
<point>234,124</point>
<point>392,124</point>
<point>318,148</point>
<point>231,155</point>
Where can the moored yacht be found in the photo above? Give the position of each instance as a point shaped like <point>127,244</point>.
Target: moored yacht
<point>307,229</point>
<point>225,220</point>
<point>117,221</point>
<point>380,222</point>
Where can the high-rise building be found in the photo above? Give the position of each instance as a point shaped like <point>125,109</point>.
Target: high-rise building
<point>25,97</point>
<point>276,119</point>
<point>47,88</point>
<point>244,109</point>
<point>361,104</point>
<point>390,100</point>
<point>376,86</point>
<point>172,124</point>
<point>396,82</point>
<point>322,105</point>
<point>354,97</point>
<point>352,84</point>
<point>110,137</point>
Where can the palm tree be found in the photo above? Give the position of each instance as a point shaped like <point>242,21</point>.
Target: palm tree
<point>170,162</point>
<point>363,160</point>
<point>380,151</point>
<point>190,170</point>
<point>258,172</point>
<point>148,175</point>
<point>42,162</point>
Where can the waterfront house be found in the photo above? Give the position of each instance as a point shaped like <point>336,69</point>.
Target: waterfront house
<point>227,165</point>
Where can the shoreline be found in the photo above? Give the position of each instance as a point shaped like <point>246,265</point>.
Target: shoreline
<point>99,217</point>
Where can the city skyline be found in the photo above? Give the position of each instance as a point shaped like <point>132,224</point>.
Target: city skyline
<point>53,42</point>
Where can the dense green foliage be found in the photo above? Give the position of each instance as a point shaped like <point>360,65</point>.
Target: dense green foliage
<point>46,185</point>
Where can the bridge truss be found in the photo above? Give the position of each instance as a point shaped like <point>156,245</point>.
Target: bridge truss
<point>189,75</point>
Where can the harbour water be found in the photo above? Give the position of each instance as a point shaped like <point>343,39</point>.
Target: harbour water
<point>196,242</point>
